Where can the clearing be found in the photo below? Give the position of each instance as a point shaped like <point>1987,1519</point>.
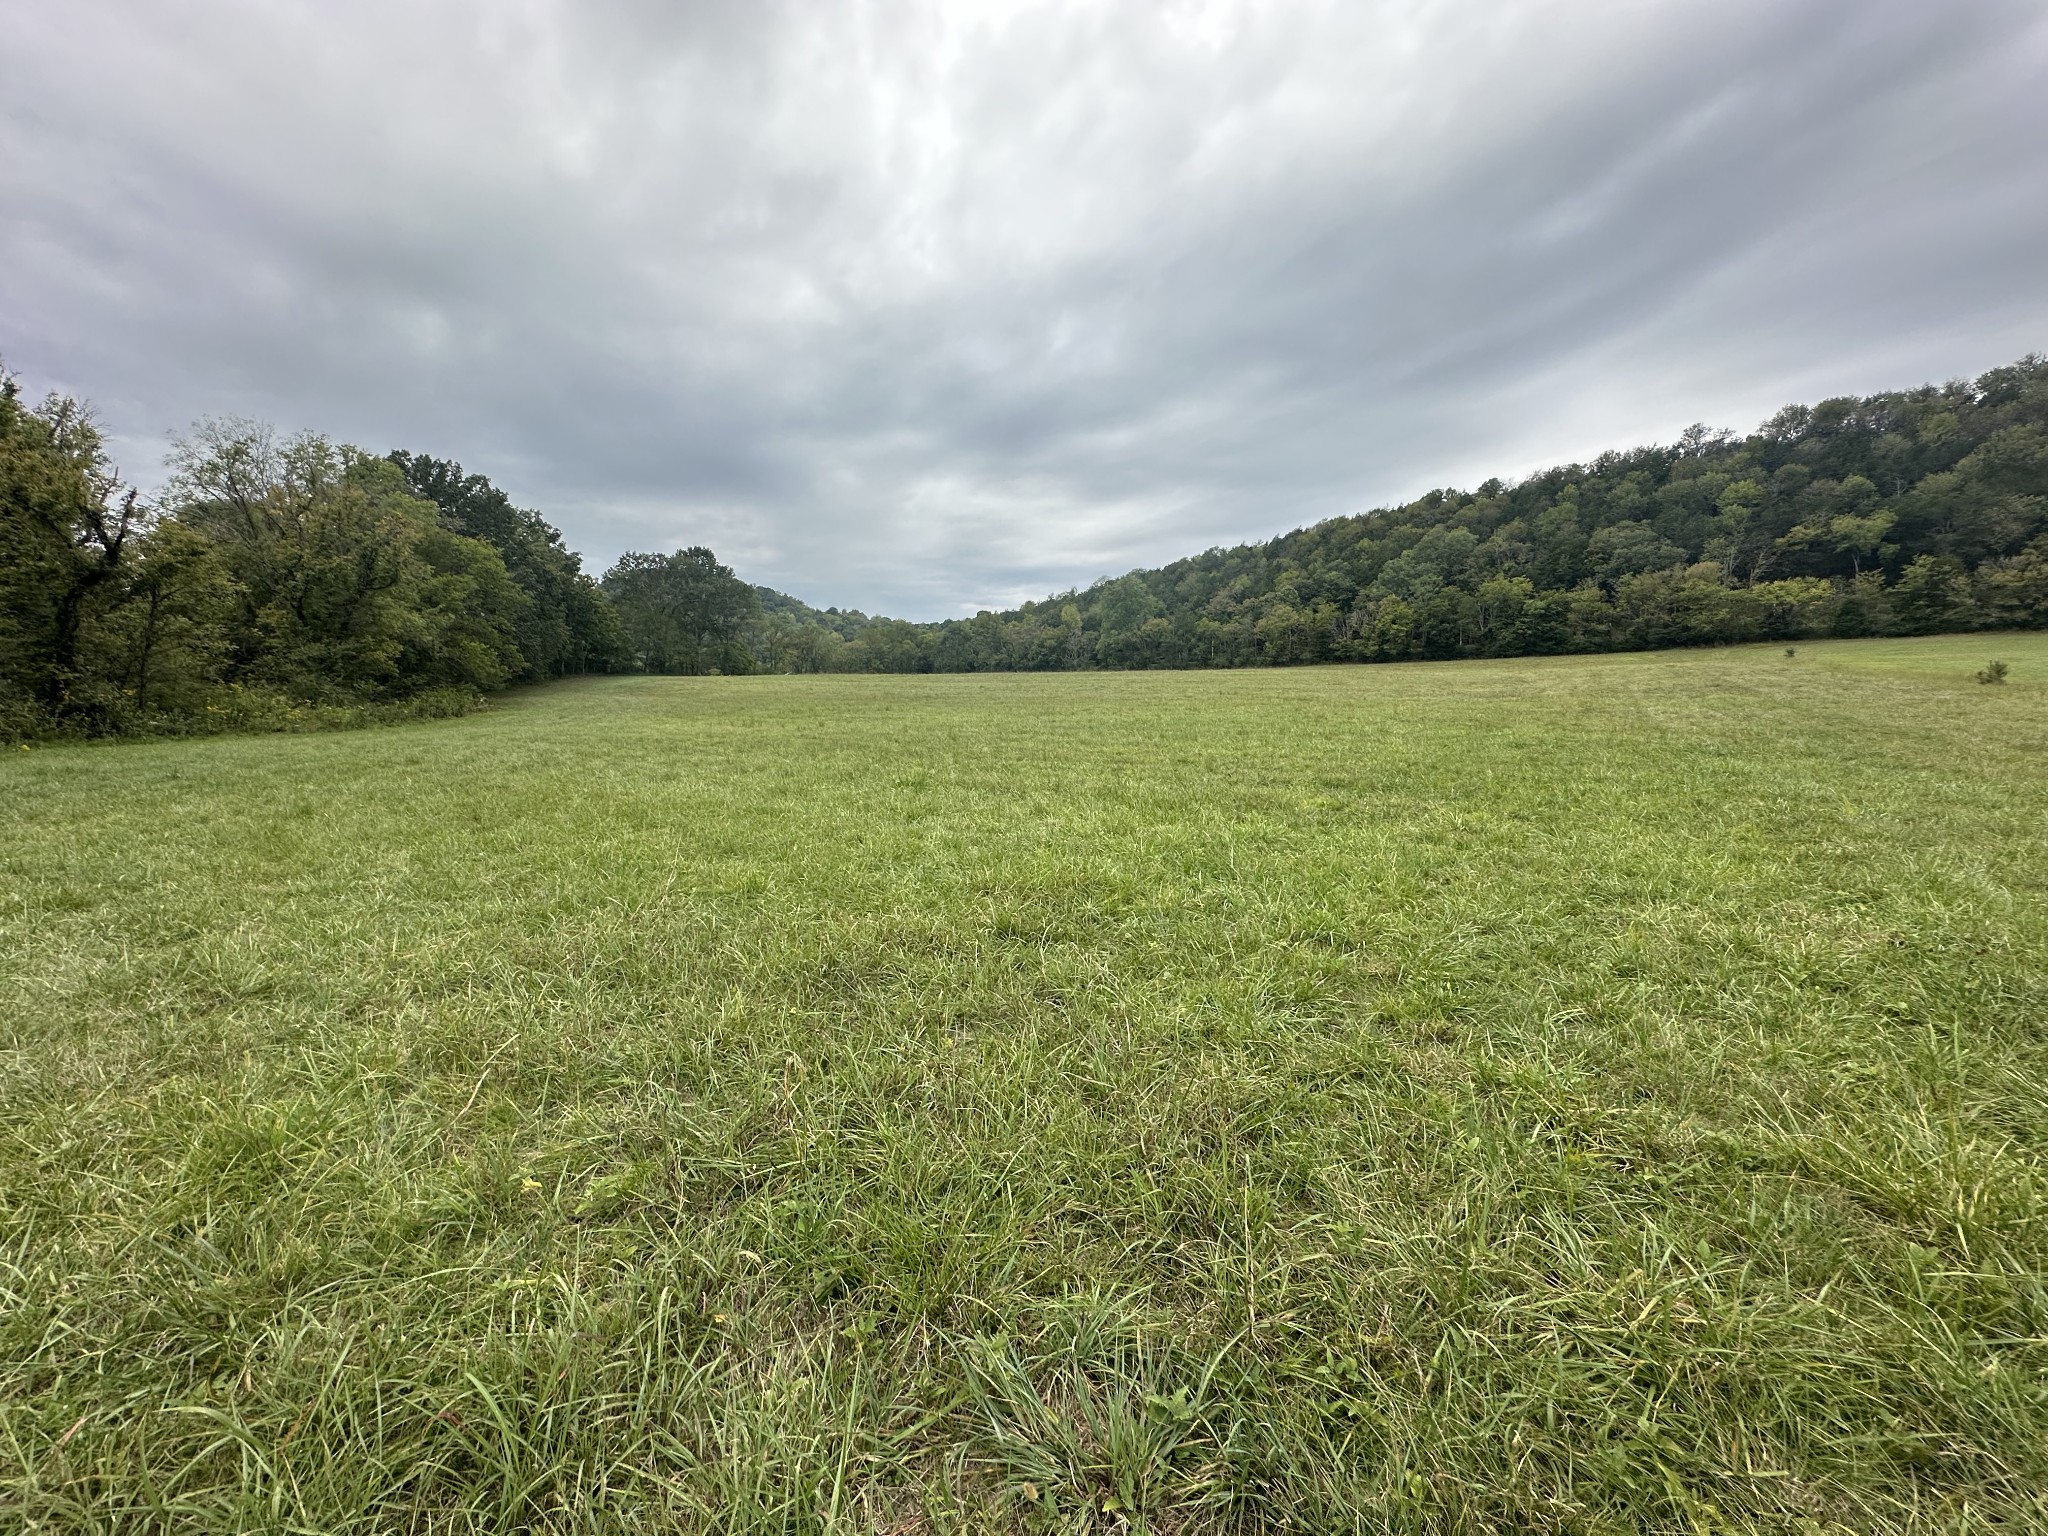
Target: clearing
<point>1570,1095</point>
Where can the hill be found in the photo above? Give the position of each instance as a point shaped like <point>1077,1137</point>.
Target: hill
<point>1909,512</point>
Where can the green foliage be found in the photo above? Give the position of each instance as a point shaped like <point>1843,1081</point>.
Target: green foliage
<point>67,532</point>
<point>683,612</point>
<point>1914,512</point>
<point>281,586</point>
<point>1555,1096</point>
<point>567,626</point>
<point>791,636</point>
<point>169,639</point>
<point>1995,673</point>
<point>350,586</point>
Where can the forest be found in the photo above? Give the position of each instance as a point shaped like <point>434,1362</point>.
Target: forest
<point>278,583</point>
<point>284,582</point>
<point>1912,512</point>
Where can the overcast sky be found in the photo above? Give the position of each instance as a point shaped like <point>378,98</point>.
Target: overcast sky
<point>923,306</point>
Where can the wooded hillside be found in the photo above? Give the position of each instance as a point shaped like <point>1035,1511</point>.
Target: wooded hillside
<point>1905,513</point>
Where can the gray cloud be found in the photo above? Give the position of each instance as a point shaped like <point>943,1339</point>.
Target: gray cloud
<point>923,307</point>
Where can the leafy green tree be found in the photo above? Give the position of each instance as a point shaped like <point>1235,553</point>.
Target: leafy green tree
<point>567,625</point>
<point>165,644</point>
<point>1123,605</point>
<point>67,528</point>
<point>1438,557</point>
<point>1630,549</point>
<point>349,585</point>
<point>1861,538</point>
<point>1129,616</point>
<point>789,635</point>
<point>2013,593</point>
<point>890,645</point>
<point>1496,615</point>
<point>683,612</point>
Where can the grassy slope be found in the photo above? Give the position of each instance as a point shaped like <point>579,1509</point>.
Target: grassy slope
<point>1570,1095</point>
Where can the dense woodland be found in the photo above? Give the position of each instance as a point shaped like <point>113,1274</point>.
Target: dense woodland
<point>278,582</point>
<point>1907,513</point>
<point>275,582</point>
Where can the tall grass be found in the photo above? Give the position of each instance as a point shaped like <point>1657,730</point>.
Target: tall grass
<point>1592,1095</point>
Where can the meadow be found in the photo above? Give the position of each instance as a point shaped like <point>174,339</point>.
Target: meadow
<point>1600,1094</point>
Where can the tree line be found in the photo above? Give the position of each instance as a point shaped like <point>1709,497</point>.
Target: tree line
<point>275,581</point>
<point>1911,512</point>
<point>278,581</point>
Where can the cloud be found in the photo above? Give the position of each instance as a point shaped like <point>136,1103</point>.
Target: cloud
<point>927,306</point>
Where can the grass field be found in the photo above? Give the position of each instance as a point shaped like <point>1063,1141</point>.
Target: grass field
<point>1575,1095</point>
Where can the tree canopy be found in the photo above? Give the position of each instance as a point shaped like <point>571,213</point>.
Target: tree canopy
<point>1902,513</point>
<point>683,612</point>
<point>275,581</point>
<point>567,625</point>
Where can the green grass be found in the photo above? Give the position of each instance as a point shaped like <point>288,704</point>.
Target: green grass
<point>1575,1095</point>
